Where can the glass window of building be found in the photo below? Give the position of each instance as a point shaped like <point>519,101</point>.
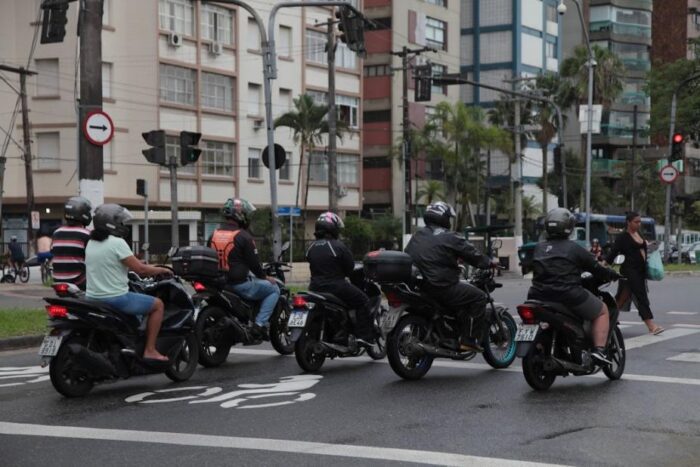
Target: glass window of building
<point>437,2</point>
<point>284,44</point>
<point>47,150</point>
<point>286,169</point>
<point>318,167</point>
<point>217,23</point>
<point>344,57</point>
<point>437,88</point>
<point>217,158</point>
<point>107,80</point>
<point>254,99</point>
<point>253,163</point>
<point>348,166</point>
<point>177,84</point>
<point>252,35</point>
<point>435,33</point>
<point>316,46</point>
<point>217,92</point>
<point>172,149</point>
<point>348,108</point>
<point>176,16</point>
<point>47,82</point>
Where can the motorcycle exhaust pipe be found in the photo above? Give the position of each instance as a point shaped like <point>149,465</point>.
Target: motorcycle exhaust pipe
<point>94,362</point>
<point>437,352</point>
<point>554,363</point>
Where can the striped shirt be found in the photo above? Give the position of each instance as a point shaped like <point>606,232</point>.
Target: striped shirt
<point>68,250</point>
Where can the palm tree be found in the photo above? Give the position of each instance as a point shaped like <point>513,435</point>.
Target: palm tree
<point>607,78</point>
<point>432,190</point>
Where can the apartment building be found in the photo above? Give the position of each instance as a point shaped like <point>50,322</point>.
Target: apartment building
<point>179,65</point>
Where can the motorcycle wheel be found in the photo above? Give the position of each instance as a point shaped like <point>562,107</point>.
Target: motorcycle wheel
<point>185,362</point>
<point>533,367</point>
<point>280,337</point>
<point>408,328</point>
<point>213,351</point>
<point>378,351</point>
<point>305,350</point>
<point>67,380</point>
<point>616,351</point>
<point>500,353</point>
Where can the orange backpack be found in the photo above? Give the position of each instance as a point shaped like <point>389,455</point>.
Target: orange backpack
<point>222,242</point>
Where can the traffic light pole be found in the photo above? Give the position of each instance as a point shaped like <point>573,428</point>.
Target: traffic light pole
<point>174,228</point>
<point>332,117</point>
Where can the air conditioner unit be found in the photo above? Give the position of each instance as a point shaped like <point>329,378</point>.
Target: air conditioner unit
<point>175,39</point>
<point>257,123</point>
<point>216,48</point>
<point>342,191</point>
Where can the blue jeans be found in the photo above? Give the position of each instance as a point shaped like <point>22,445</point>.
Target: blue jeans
<point>260,290</point>
<point>131,303</point>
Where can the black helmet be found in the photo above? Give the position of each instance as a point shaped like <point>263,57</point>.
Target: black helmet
<point>238,210</point>
<point>439,214</point>
<point>559,223</point>
<point>113,219</point>
<point>328,223</point>
<point>78,209</point>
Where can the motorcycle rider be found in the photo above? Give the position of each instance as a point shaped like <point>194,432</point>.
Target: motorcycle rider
<point>69,241</point>
<point>557,266</point>
<point>238,257</point>
<point>330,262</point>
<point>435,250</point>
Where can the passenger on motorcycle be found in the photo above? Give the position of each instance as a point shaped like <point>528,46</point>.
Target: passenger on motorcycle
<point>557,267</point>
<point>330,262</point>
<point>238,257</point>
<point>69,242</point>
<point>436,250</point>
<point>108,260</point>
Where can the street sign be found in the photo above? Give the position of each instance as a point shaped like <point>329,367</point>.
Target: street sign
<point>288,210</point>
<point>597,112</point>
<point>280,156</point>
<point>36,220</point>
<point>668,174</point>
<point>98,128</point>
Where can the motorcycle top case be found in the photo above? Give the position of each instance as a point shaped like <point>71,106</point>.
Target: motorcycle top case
<point>387,266</point>
<point>196,261</point>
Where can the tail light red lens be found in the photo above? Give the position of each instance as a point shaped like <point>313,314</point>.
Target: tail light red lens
<point>298,301</point>
<point>199,287</point>
<point>393,299</point>
<point>61,288</point>
<point>527,313</point>
<point>57,311</point>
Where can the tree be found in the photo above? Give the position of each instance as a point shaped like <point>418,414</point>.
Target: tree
<point>432,190</point>
<point>607,74</point>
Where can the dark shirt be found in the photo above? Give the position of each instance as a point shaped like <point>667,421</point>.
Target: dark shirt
<point>243,257</point>
<point>68,250</point>
<point>626,245</point>
<point>436,251</point>
<point>329,261</point>
<point>16,251</point>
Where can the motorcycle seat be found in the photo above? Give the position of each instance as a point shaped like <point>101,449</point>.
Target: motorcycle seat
<point>330,298</point>
<point>556,307</point>
<point>96,305</point>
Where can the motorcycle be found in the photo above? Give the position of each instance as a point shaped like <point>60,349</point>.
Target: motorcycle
<point>225,319</point>
<point>322,325</point>
<point>89,342</point>
<point>553,341</point>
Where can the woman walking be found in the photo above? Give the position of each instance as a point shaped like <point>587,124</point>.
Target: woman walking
<point>632,245</point>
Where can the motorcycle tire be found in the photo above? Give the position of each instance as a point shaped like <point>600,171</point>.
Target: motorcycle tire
<point>65,379</point>
<point>616,352</point>
<point>533,368</point>
<point>377,351</point>
<point>305,351</point>
<point>185,363</point>
<point>503,353</point>
<point>408,367</point>
<point>280,337</point>
<point>211,354</point>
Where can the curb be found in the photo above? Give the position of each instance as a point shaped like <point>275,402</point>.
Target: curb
<point>683,274</point>
<point>21,342</point>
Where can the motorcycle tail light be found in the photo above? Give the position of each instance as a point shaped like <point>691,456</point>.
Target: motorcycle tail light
<point>61,289</point>
<point>393,299</point>
<point>299,302</point>
<point>199,287</point>
<point>527,313</point>
<point>57,311</point>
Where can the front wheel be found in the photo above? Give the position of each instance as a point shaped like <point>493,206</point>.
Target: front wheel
<point>280,337</point>
<point>66,377</point>
<point>308,352</point>
<point>499,347</point>
<point>213,345</point>
<point>185,362</point>
<point>401,348</point>
<point>616,352</point>
<point>533,366</point>
<point>23,273</point>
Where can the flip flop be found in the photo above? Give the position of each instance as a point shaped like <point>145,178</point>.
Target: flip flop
<point>658,330</point>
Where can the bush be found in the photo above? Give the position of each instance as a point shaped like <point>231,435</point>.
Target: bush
<point>358,234</point>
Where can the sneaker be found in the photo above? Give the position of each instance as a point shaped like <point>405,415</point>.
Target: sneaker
<point>600,356</point>
<point>259,332</point>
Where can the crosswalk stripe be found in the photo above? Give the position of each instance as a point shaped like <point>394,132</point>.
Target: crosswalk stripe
<point>648,339</point>
<point>687,313</point>
<point>691,326</point>
<point>692,357</point>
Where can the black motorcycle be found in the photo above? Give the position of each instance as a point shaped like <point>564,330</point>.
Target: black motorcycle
<point>553,341</point>
<point>90,342</point>
<point>322,325</point>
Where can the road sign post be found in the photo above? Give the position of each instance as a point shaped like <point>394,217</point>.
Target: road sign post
<point>292,212</point>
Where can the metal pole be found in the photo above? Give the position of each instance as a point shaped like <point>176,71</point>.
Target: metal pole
<point>518,179</point>
<point>667,220</point>
<point>560,119</point>
<point>146,254</point>
<point>2,180</point>
<point>174,228</point>
<point>589,150</point>
<point>406,145</point>
<point>332,116</point>
<point>634,155</point>
<point>28,174</point>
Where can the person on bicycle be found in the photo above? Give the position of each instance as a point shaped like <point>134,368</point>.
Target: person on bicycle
<point>17,257</point>
<point>69,241</point>
<point>331,262</point>
<point>436,251</point>
<point>238,257</point>
<point>43,247</point>
<point>557,267</point>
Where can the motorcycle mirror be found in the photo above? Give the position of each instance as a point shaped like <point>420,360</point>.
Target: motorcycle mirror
<point>619,259</point>
<point>496,244</point>
<point>172,251</point>
<point>285,246</point>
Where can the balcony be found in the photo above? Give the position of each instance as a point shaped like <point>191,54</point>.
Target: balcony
<point>613,130</point>
<point>609,168</point>
<point>632,30</point>
<point>636,64</point>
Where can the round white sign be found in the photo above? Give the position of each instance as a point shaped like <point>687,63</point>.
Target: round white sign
<point>98,128</point>
<point>668,174</point>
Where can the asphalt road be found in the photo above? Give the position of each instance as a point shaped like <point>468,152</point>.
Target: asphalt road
<point>260,409</point>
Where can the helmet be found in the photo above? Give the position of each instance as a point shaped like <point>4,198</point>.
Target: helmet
<point>559,223</point>
<point>113,219</point>
<point>78,209</point>
<point>439,213</point>
<point>238,210</point>
<point>328,223</point>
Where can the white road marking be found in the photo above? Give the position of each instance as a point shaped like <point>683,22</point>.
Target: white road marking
<point>631,323</point>
<point>692,357</point>
<point>686,313</point>
<point>260,444</point>
<point>648,339</point>
<point>38,374</point>
<point>691,326</point>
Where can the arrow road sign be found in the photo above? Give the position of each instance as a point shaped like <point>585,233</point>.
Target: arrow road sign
<point>668,174</point>
<point>98,128</point>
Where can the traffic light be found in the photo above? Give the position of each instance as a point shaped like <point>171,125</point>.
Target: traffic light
<point>352,29</point>
<point>423,76</point>
<point>141,187</point>
<point>188,153</point>
<point>677,144</point>
<point>53,25</point>
<point>156,154</point>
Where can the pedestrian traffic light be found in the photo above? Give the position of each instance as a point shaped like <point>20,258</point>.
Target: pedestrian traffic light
<point>188,152</point>
<point>352,29</point>
<point>141,187</point>
<point>424,77</point>
<point>156,154</point>
<point>677,144</point>
<point>53,25</point>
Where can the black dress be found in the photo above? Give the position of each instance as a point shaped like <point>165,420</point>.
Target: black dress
<point>634,269</point>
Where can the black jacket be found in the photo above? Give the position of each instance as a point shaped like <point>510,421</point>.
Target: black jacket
<point>243,257</point>
<point>634,261</point>
<point>329,261</point>
<point>435,252</point>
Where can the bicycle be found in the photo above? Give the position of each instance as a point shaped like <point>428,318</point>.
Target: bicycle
<point>46,272</point>
<point>22,272</point>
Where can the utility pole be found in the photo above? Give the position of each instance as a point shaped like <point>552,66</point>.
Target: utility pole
<point>634,157</point>
<point>518,183</point>
<point>2,180</point>
<point>332,117</point>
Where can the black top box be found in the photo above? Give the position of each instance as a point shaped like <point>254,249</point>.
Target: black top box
<point>387,266</point>
<point>196,261</point>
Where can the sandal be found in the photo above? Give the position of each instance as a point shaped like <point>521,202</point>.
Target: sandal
<point>657,330</point>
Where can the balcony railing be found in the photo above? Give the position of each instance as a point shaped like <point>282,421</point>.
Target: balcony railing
<point>637,64</point>
<point>634,30</point>
<point>622,131</point>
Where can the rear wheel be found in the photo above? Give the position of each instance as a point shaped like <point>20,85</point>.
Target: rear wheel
<point>616,352</point>
<point>533,366</point>
<point>66,377</point>
<point>306,350</point>
<point>185,362</point>
<point>280,337</point>
<point>213,345</point>
<point>23,273</point>
<point>401,343</point>
<point>499,348</point>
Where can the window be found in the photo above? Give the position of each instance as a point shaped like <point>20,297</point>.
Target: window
<point>437,2</point>
<point>344,57</point>
<point>435,33</point>
<point>107,151</point>
<point>216,24</point>
<point>319,97</point>
<point>48,150</point>
<point>286,169</point>
<point>375,116</point>
<point>253,163</point>
<point>285,42</point>
<point>106,12</point>
<point>47,77</point>
<point>253,35</point>
<point>107,80</point>
<point>347,108</point>
<point>315,46</point>
<point>318,170</point>
<point>217,158</point>
<point>172,149</point>
<point>176,16</point>
<point>551,49</point>
<point>437,71</point>
<point>347,169</point>
<point>285,104</point>
<point>377,70</point>
<point>177,84</point>
<point>217,92</point>
<point>551,13</point>
<point>254,100</point>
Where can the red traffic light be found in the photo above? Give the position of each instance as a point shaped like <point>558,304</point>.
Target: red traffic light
<point>677,138</point>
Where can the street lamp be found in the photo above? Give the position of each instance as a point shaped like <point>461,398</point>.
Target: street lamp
<point>561,9</point>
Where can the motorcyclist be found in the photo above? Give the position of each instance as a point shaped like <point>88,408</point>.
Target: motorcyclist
<point>330,262</point>
<point>557,267</point>
<point>436,251</point>
<point>238,257</point>
<point>69,241</point>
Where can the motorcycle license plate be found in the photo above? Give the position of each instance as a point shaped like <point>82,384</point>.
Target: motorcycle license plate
<point>297,319</point>
<point>526,332</point>
<point>390,318</point>
<point>49,346</point>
